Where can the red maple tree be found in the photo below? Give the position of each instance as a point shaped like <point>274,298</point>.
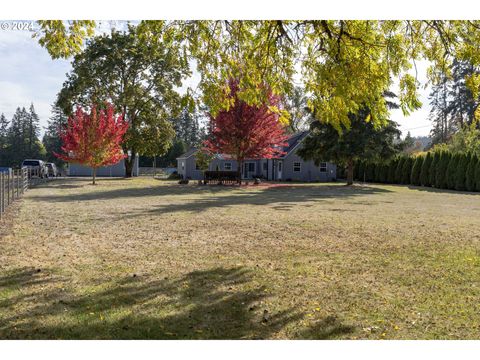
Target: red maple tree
<point>246,131</point>
<point>93,139</point>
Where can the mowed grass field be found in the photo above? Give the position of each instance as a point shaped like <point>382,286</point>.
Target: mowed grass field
<point>150,259</point>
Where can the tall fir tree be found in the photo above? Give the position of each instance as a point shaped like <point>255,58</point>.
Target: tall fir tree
<point>3,139</point>
<point>51,139</point>
<point>33,128</point>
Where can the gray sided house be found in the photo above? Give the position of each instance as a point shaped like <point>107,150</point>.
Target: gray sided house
<point>117,170</point>
<point>289,167</point>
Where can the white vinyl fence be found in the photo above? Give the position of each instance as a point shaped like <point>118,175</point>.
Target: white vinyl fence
<point>14,183</point>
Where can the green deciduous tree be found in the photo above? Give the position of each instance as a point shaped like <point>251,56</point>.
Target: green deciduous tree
<point>139,73</point>
<point>346,64</point>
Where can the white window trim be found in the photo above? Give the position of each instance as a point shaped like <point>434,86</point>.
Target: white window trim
<point>297,164</point>
<point>225,166</point>
<point>323,167</point>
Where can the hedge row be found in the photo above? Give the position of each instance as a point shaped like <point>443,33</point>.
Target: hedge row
<point>442,170</point>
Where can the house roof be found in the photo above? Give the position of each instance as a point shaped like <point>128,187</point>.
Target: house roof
<point>188,153</point>
<point>292,143</point>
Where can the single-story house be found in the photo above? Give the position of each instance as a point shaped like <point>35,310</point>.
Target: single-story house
<point>117,170</point>
<point>284,168</point>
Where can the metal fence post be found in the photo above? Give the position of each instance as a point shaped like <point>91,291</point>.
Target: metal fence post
<point>1,194</point>
<point>8,188</point>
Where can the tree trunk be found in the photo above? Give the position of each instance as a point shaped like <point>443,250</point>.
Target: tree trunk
<point>239,171</point>
<point>129,162</point>
<point>350,172</point>
<point>94,175</point>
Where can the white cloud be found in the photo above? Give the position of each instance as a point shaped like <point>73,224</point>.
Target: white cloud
<point>28,74</point>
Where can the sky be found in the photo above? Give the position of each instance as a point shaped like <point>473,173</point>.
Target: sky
<point>29,75</point>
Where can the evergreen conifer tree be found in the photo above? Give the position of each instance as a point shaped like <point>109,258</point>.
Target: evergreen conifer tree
<point>433,168</point>
<point>399,170</point>
<point>451,171</point>
<point>470,175</point>
<point>417,166</point>
<point>407,170</point>
<point>425,170</point>
<point>461,171</point>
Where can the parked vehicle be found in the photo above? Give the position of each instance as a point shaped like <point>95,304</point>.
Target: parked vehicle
<point>52,170</point>
<point>36,167</point>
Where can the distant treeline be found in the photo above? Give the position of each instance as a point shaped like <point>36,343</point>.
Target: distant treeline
<point>439,169</point>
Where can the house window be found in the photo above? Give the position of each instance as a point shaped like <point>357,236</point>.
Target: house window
<point>323,167</point>
<point>251,167</point>
<point>227,166</point>
<point>196,166</point>
<point>297,166</point>
<point>183,165</point>
<point>265,166</point>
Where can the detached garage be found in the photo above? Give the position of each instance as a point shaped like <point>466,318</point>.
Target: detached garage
<point>117,170</point>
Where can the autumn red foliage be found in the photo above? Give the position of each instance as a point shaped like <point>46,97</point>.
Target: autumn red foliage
<point>93,139</point>
<point>245,132</point>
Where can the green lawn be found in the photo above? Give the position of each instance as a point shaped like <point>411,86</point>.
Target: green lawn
<point>144,258</point>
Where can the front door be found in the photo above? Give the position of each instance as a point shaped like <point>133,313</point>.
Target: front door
<point>248,170</point>
<point>279,170</point>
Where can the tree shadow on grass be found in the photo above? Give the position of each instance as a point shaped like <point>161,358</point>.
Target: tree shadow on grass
<point>218,303</point>
<point>281,198</point>
<point>441,191</point>
<point>296,192</point>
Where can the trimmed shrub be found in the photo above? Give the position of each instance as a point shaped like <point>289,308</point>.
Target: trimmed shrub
<point>383,173</point>
<point>470,176</point>
<point>425,170</point>
<point>392,167</point>
<point>376,171</point>
<point>477,176</point>
<point>407,170</point>
<point>461,171</point>
<point>441,171</point>
<point>417,166</point>
<point>451,171</point>
<point>399,170</point>
<point>361,170</point>
<point>370,172</point>
<point>433,169</point>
